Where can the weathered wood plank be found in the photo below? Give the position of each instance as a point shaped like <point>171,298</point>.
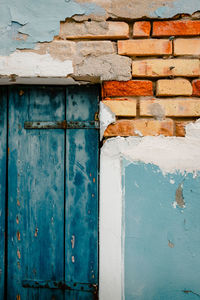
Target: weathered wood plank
<point>36,192</point>
<point>81,220</point>
<point>3,154</point>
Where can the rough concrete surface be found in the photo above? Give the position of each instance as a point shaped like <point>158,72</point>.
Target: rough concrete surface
<point>141,8</point>
<point>104,67</point>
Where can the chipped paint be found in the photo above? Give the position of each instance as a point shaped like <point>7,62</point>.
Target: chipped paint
<point>148,8</point>
<point>27,64</point>
<point>106,117</point>
<point>179,196</point>
<point>173,157</point>
<point>169,9</point>
<point>23,23</point>
<point>73,241</point>
<point>170,244</point>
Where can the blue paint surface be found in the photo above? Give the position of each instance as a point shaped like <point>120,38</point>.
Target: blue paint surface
<point>81,224</point>
<point>40,21</point>
<point>3,157</point>
<point>52,192</point>
<point>172,8</point>
<point>162,257</point>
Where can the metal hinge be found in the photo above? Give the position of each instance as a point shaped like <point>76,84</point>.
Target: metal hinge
<point>96,116</point>
<point>63,285</point>
<point>62,125</point>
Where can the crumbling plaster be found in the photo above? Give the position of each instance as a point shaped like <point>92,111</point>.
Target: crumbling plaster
<point>23,23</point>
<point>25,26</point>
<point>146,8</point>
<point>171,155</point>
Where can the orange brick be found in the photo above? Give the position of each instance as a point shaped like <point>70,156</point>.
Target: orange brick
<point>196,87</point>
<point>122,108</point>
<point>165,67</point>
<point>180,127</point>
<point>145,47</point>
<point>141,127</point>
<point>141,29</point>
<point>127,88</point>
<point>176,87</point>
<point>94,30</point>
<point>187,47</point>
<point>177,28</point>
<point>176,107</point>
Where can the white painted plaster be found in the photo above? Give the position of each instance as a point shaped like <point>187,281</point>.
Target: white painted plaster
<point>170,154</point>
<point>28,64</point>
<point>111,258</point>
<point>106,117</point>
<point>193,130</point>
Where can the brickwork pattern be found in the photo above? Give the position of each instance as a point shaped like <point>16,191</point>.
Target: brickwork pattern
<point>164,93</point>
<point>156,65</point>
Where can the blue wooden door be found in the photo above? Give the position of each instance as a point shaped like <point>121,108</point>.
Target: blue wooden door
<point>3,179</point>
<point>52,193</point>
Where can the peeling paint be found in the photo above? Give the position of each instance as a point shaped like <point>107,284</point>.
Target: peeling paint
<point>23,23</point>
<point>73,241</point>
<point>18,254</point>
<point>18,235</point>
<point>179,196</point>
<point>36,232</point>
<point>170,244</point>
<point>193,130</point>
<point>148,8</point>
<point>27,64</point>
<point>106,117</point>
<point>175,158</point>
<point>171,8</point>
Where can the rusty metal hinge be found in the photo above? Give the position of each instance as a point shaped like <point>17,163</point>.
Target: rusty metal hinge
<point>63,285</point>
<point>96,116</point>
<point>62,125</point>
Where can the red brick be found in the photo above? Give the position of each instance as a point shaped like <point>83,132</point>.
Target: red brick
<point>127,88</point>
<point>180,127</point>
<point>170,107</point>
<point>177,28</point>
<point>141,29</point>
<point>196,87</point>
<point>140,127</point>
<point>122,108</point>
<point>143,47</point>
<point>187,47</point>
<point>173,87</point>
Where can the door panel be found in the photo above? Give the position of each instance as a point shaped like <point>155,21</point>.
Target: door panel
<point>52,234</point>
<point>81,190</point>
<point>36,192</point>
<point>3,154</point>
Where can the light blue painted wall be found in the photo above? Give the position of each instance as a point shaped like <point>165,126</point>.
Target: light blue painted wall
<point>172,8</point>
<point>40,20</point>
<point>162,243</point>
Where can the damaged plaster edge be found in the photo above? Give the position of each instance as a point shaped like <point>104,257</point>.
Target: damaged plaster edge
<point>171,155</point>
<point>28,64</point>
<point>193,130</point>
<point>110,230</point>
<point>158,150</point>
<point>106,117</point>
<point>176,7</point>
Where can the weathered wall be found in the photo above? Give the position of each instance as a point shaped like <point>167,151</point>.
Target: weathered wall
<point>149,69</point>
<point>149,226</point>
<point>146,57</point>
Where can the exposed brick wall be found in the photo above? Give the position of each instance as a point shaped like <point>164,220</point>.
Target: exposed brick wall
<point>164,93</point>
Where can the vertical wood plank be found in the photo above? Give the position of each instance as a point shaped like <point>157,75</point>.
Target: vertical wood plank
<point>81,220</point>
<point>36,192</point>
<point>3,154</point>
